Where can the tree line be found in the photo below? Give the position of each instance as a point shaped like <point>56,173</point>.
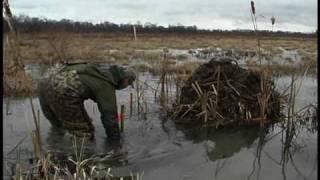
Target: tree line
<point>26,24</point>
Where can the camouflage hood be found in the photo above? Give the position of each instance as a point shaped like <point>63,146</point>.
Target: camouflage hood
<point>93,70</point>
<point>113,74</point>
<point>120,73</point>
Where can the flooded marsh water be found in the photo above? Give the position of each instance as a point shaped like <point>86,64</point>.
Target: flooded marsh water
<point>154,145</point>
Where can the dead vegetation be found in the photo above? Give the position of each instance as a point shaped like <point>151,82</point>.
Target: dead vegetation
<point>16,81</point>
<point>221,93</point>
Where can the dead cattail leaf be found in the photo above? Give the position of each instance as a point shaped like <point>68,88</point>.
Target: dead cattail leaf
<point>252,8</point>
<point>273,19</point>
<point>7,11</point>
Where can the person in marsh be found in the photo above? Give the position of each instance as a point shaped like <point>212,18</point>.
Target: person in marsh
<point>62,92</point>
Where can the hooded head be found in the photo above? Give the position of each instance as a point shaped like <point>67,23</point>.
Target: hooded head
<point>130,75</point>
<point>122,77</point>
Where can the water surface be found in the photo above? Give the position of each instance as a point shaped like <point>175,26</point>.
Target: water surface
<point>154,145</point>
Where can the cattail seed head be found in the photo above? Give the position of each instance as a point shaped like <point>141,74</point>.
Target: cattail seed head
<point>273,20</point>
<point>252,8</point>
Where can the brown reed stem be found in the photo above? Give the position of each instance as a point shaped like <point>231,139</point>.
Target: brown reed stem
<point>36,133</point>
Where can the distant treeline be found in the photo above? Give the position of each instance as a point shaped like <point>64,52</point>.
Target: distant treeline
<point>26,24</point>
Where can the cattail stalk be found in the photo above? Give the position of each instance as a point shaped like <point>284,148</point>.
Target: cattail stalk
<point>253,8</point>
<point>273,20</point>
<point>255,26</point>
<point>8,15</point>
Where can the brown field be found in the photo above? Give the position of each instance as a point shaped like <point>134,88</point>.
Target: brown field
<point>103,47</point>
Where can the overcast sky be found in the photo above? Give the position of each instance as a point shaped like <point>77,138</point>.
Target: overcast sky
<point>291,15</point>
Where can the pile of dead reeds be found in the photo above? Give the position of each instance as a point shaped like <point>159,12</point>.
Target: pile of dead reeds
<point>222,93</point>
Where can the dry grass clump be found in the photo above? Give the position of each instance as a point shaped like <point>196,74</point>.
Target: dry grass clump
<point>181,57</point>
<point>149,56</point>
<point>171,67</point>
<point>76,168</point>
<point>119,55</point>
<point>285,69</point>
<point>188,67</point>
<point>145,67</point>
<point>16,81</point>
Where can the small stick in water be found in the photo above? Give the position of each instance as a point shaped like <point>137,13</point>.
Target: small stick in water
<point>122,112</point>
<point>131,96</point>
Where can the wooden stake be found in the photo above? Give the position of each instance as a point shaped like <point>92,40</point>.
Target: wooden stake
<point>131,96</point>
<point>122,113</point>
<point>134,32</point>
<point>138,93</point>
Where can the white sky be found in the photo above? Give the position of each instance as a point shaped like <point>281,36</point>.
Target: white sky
<point>291,15</point>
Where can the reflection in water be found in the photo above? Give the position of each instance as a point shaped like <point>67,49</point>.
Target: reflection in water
<point>290,143</point>
<point>289,131</point>
<point>237,139</point>
<point>257,159</point>
<point>227,142</point>
<point>230,141</point>
<point>222,144</point>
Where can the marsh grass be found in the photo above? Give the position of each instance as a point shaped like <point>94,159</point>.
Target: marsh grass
<point>265,74</point>
<point>16,81</point>
<point>294,119</point>
<point>165,80</point>
<point>172,68</point>
<point>140,98</point>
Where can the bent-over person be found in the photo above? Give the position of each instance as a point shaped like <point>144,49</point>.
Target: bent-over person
<point>63,90</point>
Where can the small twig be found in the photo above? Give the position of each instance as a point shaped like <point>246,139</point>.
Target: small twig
<point>21,141</point>
<point>229,84</point>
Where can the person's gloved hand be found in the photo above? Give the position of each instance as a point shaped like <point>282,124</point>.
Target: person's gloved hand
<point>111,126</point>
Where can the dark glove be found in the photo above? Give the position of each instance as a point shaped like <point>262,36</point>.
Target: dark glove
<point>111,126</point>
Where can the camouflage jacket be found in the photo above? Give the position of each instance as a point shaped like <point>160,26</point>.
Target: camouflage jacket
<point>100,84</point>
